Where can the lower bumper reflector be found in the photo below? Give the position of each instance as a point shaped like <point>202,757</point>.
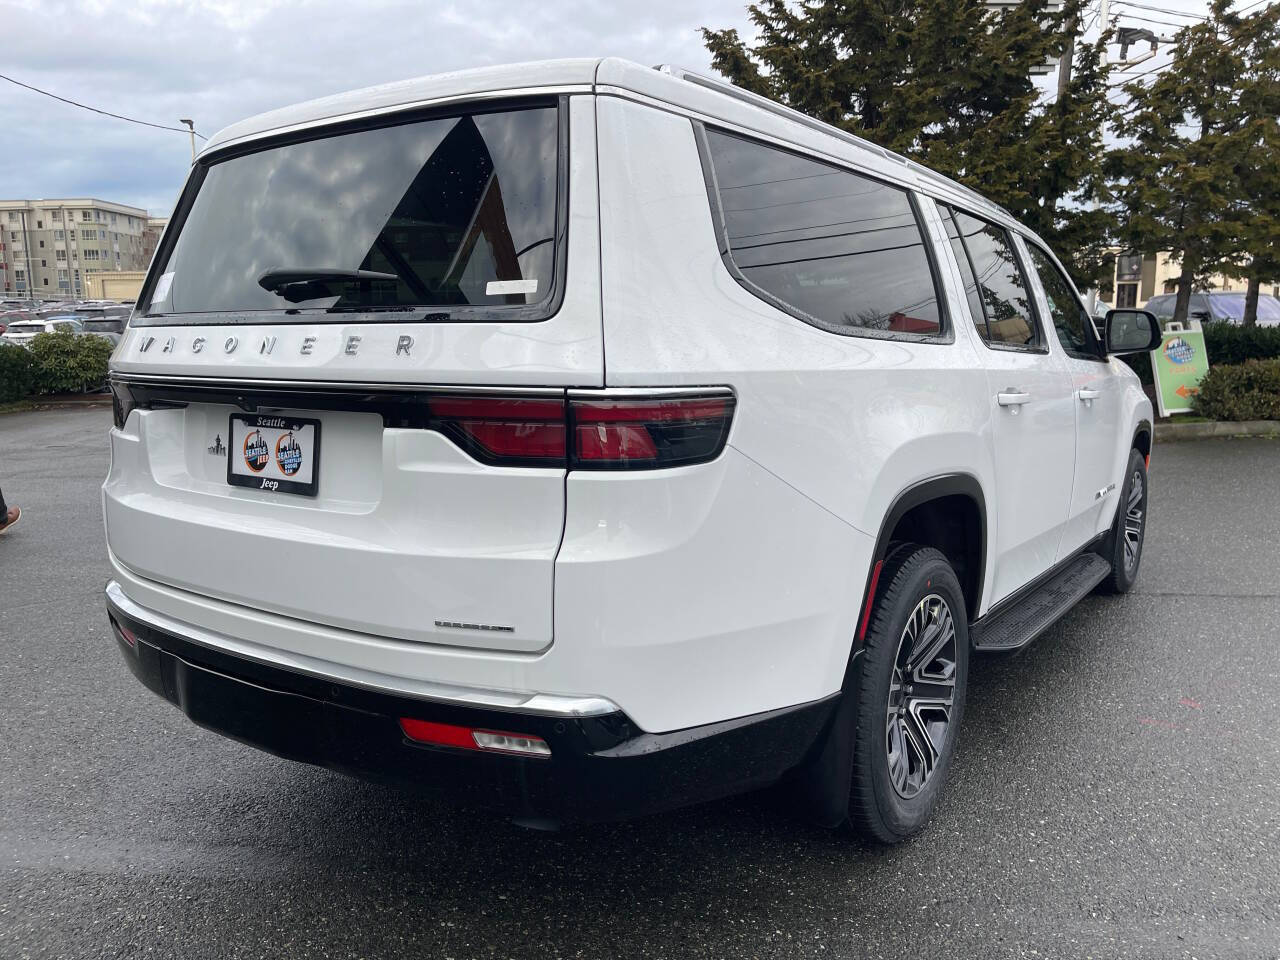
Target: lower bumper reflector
<point>468,738</point>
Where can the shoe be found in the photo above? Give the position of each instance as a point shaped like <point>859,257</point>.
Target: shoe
<point>10,519</point>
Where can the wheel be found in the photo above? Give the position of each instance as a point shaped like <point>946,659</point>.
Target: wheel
<point>1123,546</point>
<point>910,695</point>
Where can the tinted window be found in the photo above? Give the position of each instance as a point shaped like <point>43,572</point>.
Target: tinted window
<point>838,248</point>
<point>1069,317</point>
<point>452,211</point>
<point>971,293</point>
<point>1005,300</point>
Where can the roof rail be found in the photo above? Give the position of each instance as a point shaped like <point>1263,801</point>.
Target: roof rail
<point>778,109</point>
<point>764,103</point>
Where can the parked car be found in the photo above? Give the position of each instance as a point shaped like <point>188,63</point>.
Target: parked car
<point>24,331</point>
<point>105,327</point>
<point>1216,306</point>
<point>378,502</point>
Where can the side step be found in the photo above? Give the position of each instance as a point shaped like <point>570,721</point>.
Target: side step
<point>1015,627</point>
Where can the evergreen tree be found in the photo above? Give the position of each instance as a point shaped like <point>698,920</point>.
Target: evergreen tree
<point>949,83</point>
<point>1176,179</point>
<point>1255,151</point>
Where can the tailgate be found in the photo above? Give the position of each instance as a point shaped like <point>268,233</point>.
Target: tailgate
<point>407,536</point>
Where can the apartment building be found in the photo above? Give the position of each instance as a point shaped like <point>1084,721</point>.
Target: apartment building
<point>48,247</point>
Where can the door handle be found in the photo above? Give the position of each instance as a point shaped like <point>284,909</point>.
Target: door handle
<point>1012,398</point>
<point>1087,396</point>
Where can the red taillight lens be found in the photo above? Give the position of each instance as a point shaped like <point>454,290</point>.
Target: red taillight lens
<point>472,738</point>
<point>645,433</point>
<point>585,432</point>
<point>511,431</point>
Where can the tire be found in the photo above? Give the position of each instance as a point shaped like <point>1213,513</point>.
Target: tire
<point>898,776</point>
<point>1131,513</point>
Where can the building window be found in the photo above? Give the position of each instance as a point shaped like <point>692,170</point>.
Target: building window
<point>44,263</point>
<point>59,234</point>
<point>84,215</point>
<point>102,234</point>
<point>88,234</point>
<point>60,255</point>
<point>12,217</point>
<point>46,281</point>
<point>39,224</point>
<point>41,244</point>
<point>90,254</point>
<point>1126,295</point>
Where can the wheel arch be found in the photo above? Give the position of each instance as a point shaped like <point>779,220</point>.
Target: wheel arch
<point>1142,435</point>
<point>948,512</point>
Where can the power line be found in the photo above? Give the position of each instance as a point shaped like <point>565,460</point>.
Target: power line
<point>1250,7</point>
<point>1139,76</point>
<point>1143,6</point>
<point>1167,23</point>
<point>105,113</point>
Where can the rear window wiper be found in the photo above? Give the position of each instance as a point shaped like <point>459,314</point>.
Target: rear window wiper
<point>311,283</point>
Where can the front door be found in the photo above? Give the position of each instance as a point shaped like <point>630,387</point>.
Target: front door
<point>1098,394</point>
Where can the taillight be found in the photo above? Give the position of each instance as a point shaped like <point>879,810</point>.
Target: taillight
<point>588,431</point>
<point>644,433</point>
<point>511,431</point>
<point>121,404</point>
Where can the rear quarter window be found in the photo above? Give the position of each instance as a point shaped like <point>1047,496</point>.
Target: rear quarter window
<point>842,251</point>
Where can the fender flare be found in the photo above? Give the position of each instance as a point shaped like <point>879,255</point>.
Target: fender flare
<point>923,491</point>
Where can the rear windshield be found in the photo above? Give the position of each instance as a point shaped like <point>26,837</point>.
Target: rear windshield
<point>449,213</point>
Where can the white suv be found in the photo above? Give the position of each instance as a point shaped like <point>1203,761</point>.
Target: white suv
<point>589,439</point>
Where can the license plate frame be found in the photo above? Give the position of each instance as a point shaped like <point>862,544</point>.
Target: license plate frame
<point>271,476</point>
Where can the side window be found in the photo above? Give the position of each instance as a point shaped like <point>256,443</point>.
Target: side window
<point>1069,317</point>
<point>839,250</point>
<point>966,270</point>
<point>1005,300</point>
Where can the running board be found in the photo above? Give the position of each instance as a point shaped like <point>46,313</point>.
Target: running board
<point>1026,619</point>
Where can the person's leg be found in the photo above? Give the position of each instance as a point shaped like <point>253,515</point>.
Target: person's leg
<point>8,515</point>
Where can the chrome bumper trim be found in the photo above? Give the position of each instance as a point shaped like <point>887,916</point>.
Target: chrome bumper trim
<point>542,704</point>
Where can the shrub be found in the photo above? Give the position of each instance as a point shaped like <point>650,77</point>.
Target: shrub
<point>1228,344</point>
<point>17,372</point>
<point>1249,391</point>
<point>67,363</point>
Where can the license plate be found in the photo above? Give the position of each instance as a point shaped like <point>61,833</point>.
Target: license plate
<point>277,454</point>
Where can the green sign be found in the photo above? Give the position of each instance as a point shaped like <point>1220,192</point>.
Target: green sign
<point>1178,366</point>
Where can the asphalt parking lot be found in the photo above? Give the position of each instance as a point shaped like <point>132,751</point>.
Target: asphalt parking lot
<point>1116,793</point>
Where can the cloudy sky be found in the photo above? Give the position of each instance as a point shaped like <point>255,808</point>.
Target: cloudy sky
<point>222,60</point>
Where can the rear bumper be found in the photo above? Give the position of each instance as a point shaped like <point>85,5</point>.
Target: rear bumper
<point>602,767</point>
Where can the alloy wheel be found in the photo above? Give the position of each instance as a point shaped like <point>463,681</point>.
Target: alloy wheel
<point>921,694</point>
<point>1134,516</point>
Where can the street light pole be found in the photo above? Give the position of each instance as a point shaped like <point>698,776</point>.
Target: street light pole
<point>191,127</point>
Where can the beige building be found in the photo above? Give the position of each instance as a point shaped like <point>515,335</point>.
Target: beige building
<point>48,247</point>
<point>151,237</point>
<point>1137,278</point>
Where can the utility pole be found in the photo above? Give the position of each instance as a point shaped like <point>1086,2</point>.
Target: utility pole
<point>191,127</point>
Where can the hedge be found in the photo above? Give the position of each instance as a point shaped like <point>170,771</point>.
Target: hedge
<point>17,372</point>
<point>1226,344</point>
<point>1249,391</point>
<point>69,363</point>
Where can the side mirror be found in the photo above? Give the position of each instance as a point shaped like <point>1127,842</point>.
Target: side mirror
<point>1132,331</point>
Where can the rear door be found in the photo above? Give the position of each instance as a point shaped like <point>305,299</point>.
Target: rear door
<point>1031,408</point>
<point>340,402</point>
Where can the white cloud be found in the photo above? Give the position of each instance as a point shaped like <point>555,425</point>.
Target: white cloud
<point>221,61</point>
